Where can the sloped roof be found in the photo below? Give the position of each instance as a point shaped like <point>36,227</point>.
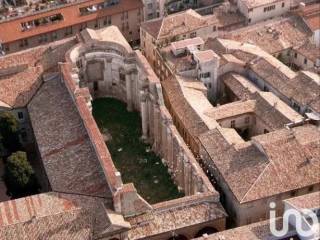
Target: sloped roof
<point>53,216</point>
<point>20,77</point>
<point>65,148</point>
<point>175,24</point>
<point>272,163</point>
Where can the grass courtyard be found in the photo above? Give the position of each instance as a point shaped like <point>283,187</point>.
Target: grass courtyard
<point>131,156</point>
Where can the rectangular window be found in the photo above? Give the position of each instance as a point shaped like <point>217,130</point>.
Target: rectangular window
<point>107,21</point>
<point>205,75</point>
<point>24,43</point>
<point>233,123</point>
<point>295,55</point>
<point>20,115</point>
<point>269,8</point>
<point>305,61</point>
<point>41,21</point>
<point>192,35</point>
<point>282,5</point>
<point>95,86</point>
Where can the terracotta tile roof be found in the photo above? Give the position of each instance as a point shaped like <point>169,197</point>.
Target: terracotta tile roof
<point>11,31</point>
<point>16,91</point>
<point>311,15</point>
<point>273,36</point>
<point>239,85</point>
<point>302,88</point>
<point>175,24</point>
<point>273,163</point>
<point>255,231</point>
<point>239,169</point>
<point>52,216</point>
<point>20,77</point>
<point>180,106</point>
<point>205,56</point>
<point>233,109</point>
<point>67,153</point>
<point>307,201</point>
<point>152,27</point>
<point>189,21</point>
<point>171,216</point>
<point>310,51</point>
<point>264,105</point>
<point>21,74</point>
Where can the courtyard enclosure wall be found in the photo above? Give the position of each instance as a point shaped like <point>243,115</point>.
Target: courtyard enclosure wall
<point>103,72</point>
<point>106,68</point>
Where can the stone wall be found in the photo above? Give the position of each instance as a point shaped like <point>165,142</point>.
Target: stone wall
<point>127,76</point>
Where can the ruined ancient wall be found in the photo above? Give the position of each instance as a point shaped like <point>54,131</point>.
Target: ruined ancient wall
<point>128,77</point>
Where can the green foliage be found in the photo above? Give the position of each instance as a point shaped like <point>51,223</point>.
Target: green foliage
<point>9,133</point>
<point>135,160</point>
<point>19,176</point>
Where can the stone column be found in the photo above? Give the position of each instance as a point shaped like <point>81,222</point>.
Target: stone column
<point>164,137</point>
<point>156,120</point>
<point>175,151</point>
<point>129,91</point>
<point>169,149</point>
<point>180,170</point>
<point>107,75</point>
<point>187,176</point>
<point>151,118</point>
<point>144,116</point>
<point>198,185</point>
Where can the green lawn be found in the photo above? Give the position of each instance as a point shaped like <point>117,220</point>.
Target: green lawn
<point>133,158</point>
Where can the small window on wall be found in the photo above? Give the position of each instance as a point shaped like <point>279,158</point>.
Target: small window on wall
<point>20,115</point>
<point>233,123</point>
<point>95,86</point>
<point>305,61</point>
<point>265,131</point>
<point>283,4</point>
<point>192,35</point>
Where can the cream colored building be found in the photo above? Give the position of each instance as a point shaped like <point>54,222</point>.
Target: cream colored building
<point>259,10</point>
<point>86,197</point>
<point>188,24</point>
<point>31,30</point>
<point>256,118</point>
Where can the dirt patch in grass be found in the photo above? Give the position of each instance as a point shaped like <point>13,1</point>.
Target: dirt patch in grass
<point>131,156</point>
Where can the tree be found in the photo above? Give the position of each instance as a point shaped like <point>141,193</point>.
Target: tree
<point>9,132</point>
<point>19,176</point>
